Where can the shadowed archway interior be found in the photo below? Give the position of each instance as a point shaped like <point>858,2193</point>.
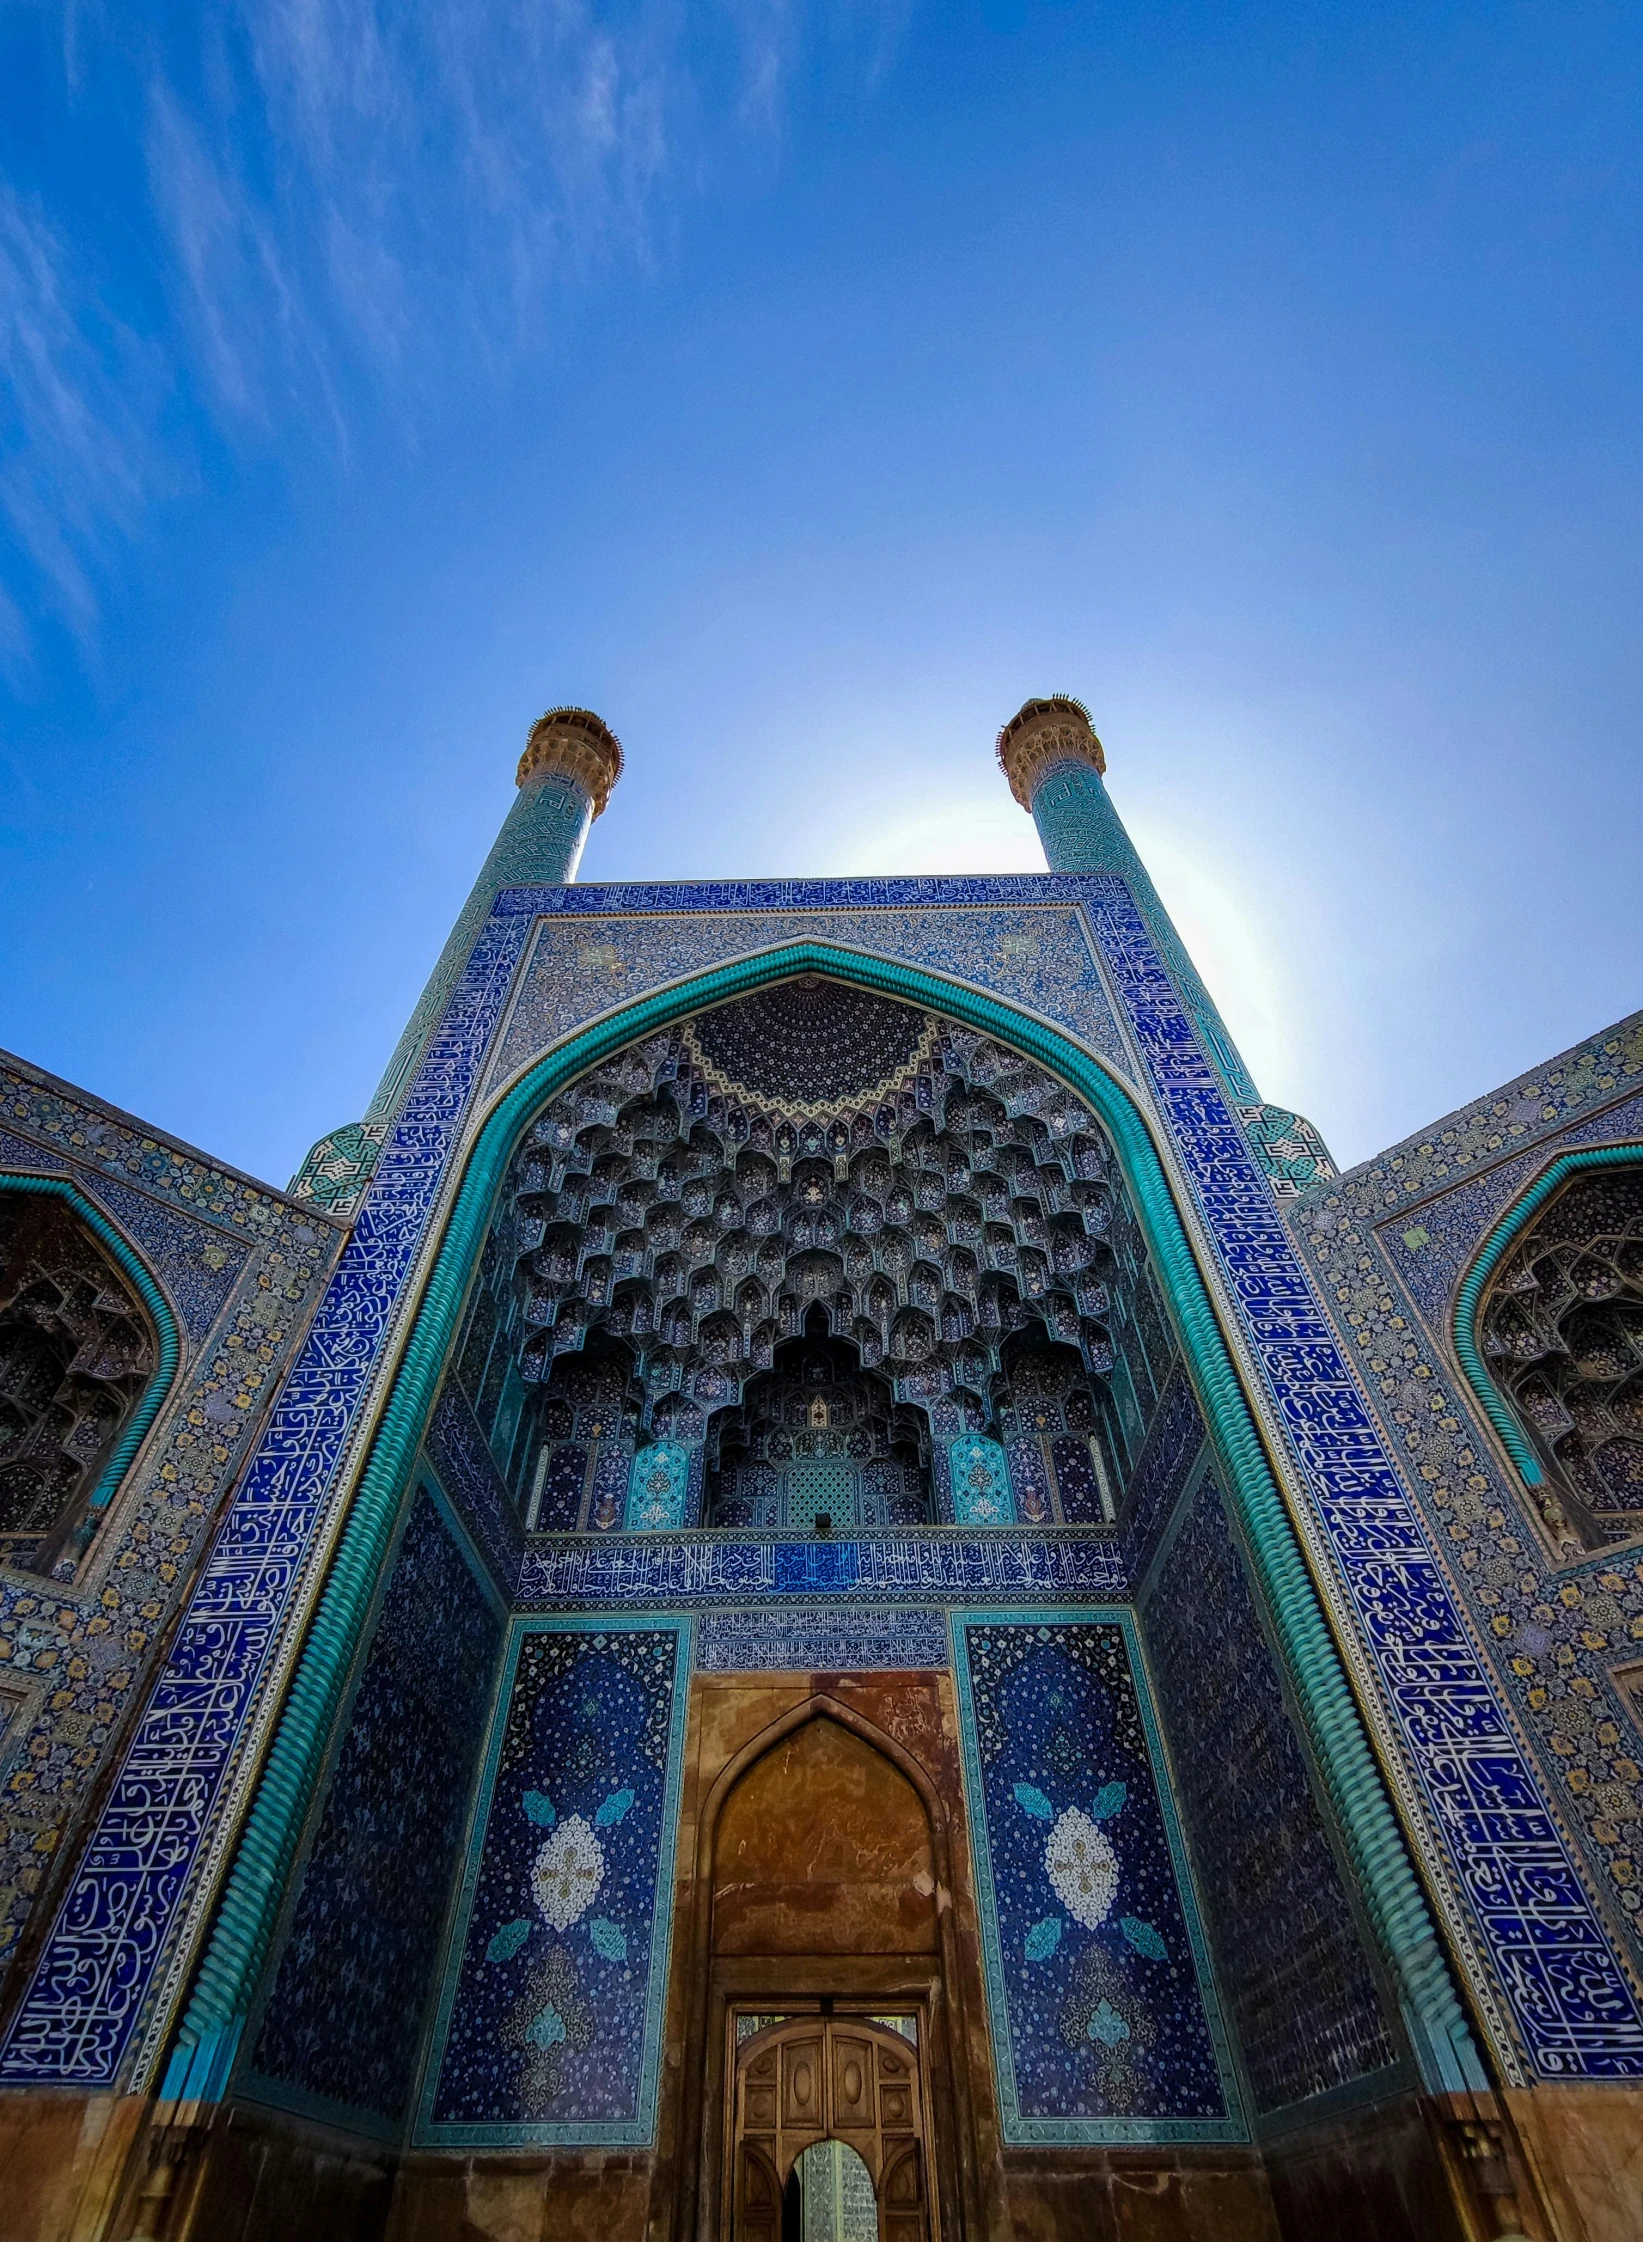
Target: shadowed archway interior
<point>767,1549</point>
<point>934,1217</point>
<point>77,1350</point>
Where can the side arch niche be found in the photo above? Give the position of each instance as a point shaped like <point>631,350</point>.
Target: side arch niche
<point>87,1346</point>
<point>1550,1330</point>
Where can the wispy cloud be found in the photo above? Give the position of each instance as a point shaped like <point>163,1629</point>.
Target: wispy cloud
<point>326,192</point>
<point>77,392</point>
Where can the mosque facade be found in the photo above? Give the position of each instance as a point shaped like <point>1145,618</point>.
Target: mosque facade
<point>824,1586</point>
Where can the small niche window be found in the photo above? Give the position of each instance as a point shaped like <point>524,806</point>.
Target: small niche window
<point>1561,1326</point>
<point>77,1349</point>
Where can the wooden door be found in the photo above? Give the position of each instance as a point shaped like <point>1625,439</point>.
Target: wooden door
<point>825,2078</point>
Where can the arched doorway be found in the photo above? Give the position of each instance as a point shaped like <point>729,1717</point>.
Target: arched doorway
<point>83,1332</point>
<point>821,2079</point>
<point>829,2197</point>
<point>824,1922</point>
<point>245,1911</point>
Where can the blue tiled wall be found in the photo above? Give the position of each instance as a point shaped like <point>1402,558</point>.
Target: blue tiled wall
<point>550,2021</point>
<point>1291,1963</point>
<point>1104,2021</point>
<point>344,2021</point>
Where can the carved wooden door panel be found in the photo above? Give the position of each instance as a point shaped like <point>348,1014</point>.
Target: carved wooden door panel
<point>828,2078</point>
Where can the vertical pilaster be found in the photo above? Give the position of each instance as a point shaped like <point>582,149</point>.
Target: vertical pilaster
<point>1055,764</point>
<point>572,759</point>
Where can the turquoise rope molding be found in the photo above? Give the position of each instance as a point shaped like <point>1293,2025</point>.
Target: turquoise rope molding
<point>1468,1301</point>
<point>541,839</point>
<point>238,1942</point>
<point>153,1299</point>
<point>1083,833</point>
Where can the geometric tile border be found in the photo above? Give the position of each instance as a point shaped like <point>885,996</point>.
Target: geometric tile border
<point>1569,1994</point>
<point>672,1569</point>
<point>828,1639</point>
<point>119,1923</point>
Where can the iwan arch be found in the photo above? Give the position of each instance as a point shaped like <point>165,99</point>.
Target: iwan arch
<point>824,1582</point>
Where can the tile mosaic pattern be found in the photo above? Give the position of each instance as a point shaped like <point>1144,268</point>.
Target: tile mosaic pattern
<point>1560,1326</point>
<point>78,1353</point>
<point>1431,1243</point>
<point>603,946</point>
<point>1537,1107</point>
<point>1076,1480</point>
<point>197,1264</point>
<point>658,1487</point>
<point>475,1489</point>
<point>1174,1439</point>
<point>342,2029</point>
<point>336,1171</point>
<point>26,1158</point>
<point>1103,2013</point>
<point>78,1131</point>
<point>120,1918</point>
<point>817,1433</point>
<point>1562,1628</point>
<point>1288,1147</point>
<point>811,1042</point>
<point>836,2198</point>
<point>1021,937</point>
<point>821,1493</point>
<point>1570,1998</point>
<point>831,1639</point>
<point>243,1267</point>
<point>701,1233</point>
<point>1302,1997</point>
<point>549,2026</point>
<point>980,1479</point>
<point>723,1569</point>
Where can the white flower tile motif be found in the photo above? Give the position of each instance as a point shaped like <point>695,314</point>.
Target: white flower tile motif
<point>568,1872</point>
<point>1082,1868</point>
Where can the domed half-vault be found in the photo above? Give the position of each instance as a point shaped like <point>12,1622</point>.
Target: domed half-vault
<point>815,1257</point>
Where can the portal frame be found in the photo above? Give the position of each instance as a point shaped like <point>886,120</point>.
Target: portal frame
<point>1392,1892</point>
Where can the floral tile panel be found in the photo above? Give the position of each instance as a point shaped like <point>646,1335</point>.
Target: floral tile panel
<point>549,2025</point>
<point>1104,2020</point>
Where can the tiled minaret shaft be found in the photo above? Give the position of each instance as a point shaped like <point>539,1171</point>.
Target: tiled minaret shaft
<point>1049,753</point>
<point>572,759</point>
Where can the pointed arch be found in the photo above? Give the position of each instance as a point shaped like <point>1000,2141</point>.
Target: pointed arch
<point>821,1706</point>
<point>955,2158</point>
<point>1396,1903</point>
<point>1505,1232</point>
<point>167,1342</point>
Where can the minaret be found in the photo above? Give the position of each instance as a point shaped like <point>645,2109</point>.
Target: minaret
<point>1049,753</point>
<point>572,759</point>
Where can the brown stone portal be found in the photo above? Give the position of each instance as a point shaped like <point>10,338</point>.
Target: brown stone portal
<point>824,1991</point>
<point>824,1847</point>
<point>819,2079</point>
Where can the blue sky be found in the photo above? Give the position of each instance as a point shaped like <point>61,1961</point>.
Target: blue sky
<point>803,387</point>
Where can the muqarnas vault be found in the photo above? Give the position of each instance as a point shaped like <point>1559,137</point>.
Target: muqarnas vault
<point>823,1584</point>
